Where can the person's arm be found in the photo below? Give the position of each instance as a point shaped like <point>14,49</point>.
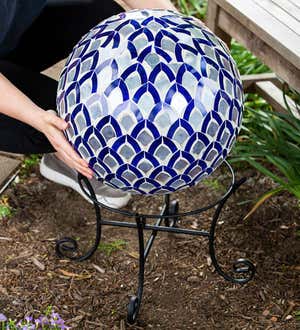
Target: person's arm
<point>150,4</point>
<point>15,104</point>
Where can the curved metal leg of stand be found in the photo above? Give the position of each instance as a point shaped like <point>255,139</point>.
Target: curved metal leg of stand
<point>135,301</point>
<point>67,246</point>
<point>240,266</point>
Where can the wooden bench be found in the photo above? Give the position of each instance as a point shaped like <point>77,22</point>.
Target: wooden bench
<point>270,29</point>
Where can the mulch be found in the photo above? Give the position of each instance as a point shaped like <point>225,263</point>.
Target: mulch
<point>182,289</point>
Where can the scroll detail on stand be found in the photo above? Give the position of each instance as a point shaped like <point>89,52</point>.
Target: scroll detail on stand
<point>243,269</point>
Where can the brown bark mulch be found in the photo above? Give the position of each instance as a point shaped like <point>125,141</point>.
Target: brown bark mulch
<point>182,290</point>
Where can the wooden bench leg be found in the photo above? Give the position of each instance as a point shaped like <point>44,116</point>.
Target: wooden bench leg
<point>212,19</point>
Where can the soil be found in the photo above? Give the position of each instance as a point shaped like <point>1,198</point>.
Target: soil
<point>182,289</point>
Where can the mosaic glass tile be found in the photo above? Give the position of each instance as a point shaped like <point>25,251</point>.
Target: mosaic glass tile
<point>154,101</point>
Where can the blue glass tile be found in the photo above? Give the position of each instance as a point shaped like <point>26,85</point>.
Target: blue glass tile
<point>180,30</point>
<point>161,67</point>
<point>195,168</point>
<point>146,184</point>
<point>113,66</point>
<point>145,124</point>
<point>135,68</point>
<point>126,140</point>
<point>162,169</point>
<point>122,24</point>
<point>72,73</point>
<point>132,50</point>
<point>179,51</point>
<point>129,176</point>
<point>161,22</point>
<point>164,34</point>
<point>112,122</point>
<point>184,68</point>
<point>145,166</point>
<point>235,112</point>
<point>142,31</point>
<point>116,181</point>
<point>144,53</point>
<point>127,123</point>
<point>145,137</point>
<point>113,156</point>
<point>83,151</point>
<point>198,136</point>
<point>225,79</point>
<point>181,155</point>
<point>126,168</point>
<point>163,54</point>
<point>147,20</point>
<point>218,161</point>
<point>143,158</point>
<point>162,153</point>
<point>162,141</point>
<point>177,89</point>
<point>179,180</point>
<point>74,89</point>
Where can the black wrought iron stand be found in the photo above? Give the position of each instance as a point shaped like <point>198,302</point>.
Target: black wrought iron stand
<point>67,247</point>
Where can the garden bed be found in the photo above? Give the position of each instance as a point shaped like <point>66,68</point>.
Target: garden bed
<point>182,291</point>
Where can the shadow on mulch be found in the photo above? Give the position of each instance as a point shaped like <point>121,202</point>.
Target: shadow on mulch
<point>182,291</point>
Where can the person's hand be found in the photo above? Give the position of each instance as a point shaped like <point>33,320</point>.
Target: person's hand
<point>52,126</point>
<point>15,104</point>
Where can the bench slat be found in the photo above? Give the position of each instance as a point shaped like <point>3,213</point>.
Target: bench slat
<point>279,14</point>
<point>283,68</point>
<point>273,32</point>
<point>289,7</point>
<point>295,2</point>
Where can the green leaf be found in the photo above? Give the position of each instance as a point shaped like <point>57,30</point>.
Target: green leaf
<point>262,199</point>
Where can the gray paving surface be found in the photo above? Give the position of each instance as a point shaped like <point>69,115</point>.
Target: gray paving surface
<point>8,167</point>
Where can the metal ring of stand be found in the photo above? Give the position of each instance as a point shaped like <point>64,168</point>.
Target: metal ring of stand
<point>67,247</point>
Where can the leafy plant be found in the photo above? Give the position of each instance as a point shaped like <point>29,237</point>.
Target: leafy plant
<point>50,320</point>
<point>270,142</point>
<point>196,8</point>
<point>247,63</point>
<point>213,184</point>
<point>28,163</point>
<point>116,245</point>
<point>5,209</point>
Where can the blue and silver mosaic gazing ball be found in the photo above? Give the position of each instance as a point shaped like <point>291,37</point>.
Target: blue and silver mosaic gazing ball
<point>154,101</point>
